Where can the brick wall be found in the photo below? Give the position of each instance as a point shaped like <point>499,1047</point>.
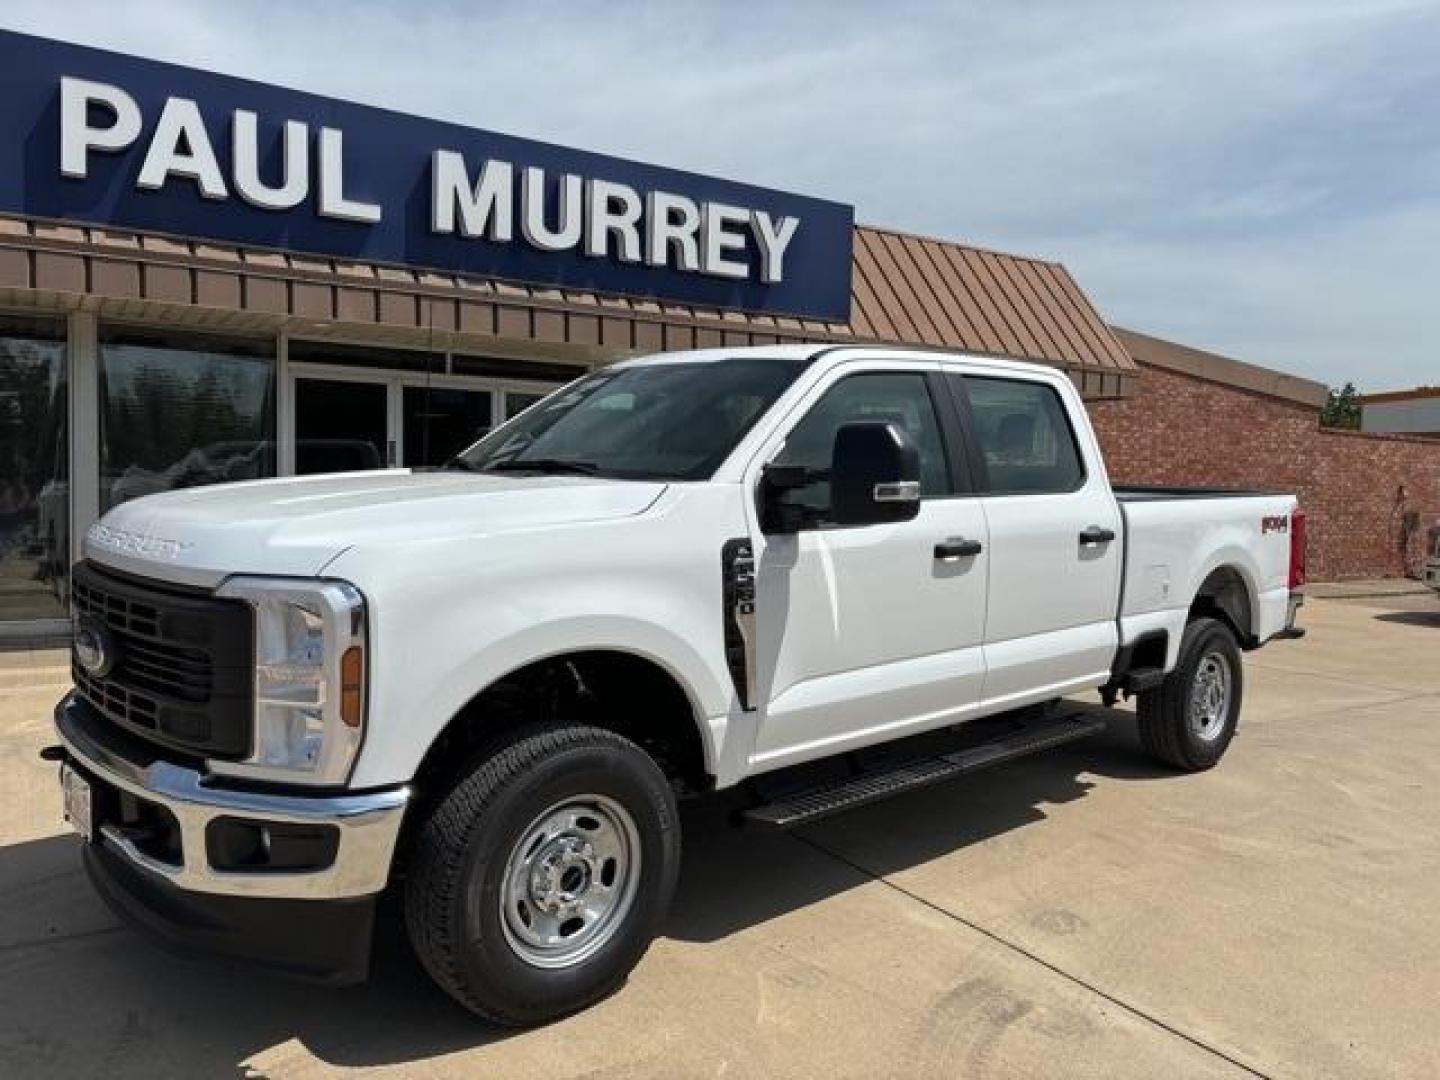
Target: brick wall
<point>1356,489</point>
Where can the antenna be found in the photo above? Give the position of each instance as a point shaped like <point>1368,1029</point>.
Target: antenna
<point>429,365</point>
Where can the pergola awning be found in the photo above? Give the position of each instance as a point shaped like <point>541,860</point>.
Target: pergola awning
<point>905,289</point>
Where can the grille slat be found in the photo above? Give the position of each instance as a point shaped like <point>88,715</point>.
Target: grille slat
<point>182,672</point>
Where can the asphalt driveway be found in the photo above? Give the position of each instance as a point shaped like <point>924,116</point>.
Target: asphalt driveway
<point>1078,914</point>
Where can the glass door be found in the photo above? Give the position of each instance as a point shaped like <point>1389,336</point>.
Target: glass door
<point>342,425</point>
<point>440,421</point>
<point>348,418</point>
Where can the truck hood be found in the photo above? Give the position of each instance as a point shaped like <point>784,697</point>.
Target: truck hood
<point>297,525</point>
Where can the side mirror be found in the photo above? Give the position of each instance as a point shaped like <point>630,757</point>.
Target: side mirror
<point>874,474</point>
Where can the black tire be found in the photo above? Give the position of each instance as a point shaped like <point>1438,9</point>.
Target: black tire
<point>1164,714</point>
<point>455,891</point>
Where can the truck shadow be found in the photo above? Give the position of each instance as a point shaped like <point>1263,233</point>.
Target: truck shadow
<point>1411,618</point>
<point>734,878</point>
<point>81,994</point>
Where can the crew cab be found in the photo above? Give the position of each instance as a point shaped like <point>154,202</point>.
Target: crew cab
<point>484,687</point>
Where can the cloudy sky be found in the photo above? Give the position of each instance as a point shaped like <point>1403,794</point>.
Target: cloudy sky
<point>1260,178</point>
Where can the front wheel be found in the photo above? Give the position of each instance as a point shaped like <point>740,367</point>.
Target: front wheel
<point>539,880</point>
<point>1190,718</point>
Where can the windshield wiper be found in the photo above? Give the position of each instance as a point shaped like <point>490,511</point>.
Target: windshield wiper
<point>458,462</point>
<point>545,465</point>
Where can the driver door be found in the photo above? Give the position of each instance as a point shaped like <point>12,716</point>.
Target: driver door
<point>867,633</point>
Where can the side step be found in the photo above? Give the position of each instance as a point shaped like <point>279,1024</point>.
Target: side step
<point>803,807</point>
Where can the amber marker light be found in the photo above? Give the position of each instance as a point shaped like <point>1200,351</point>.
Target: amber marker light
<point>352,666</point>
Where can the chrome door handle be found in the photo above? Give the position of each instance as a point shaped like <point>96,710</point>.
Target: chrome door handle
<point>958,548</point>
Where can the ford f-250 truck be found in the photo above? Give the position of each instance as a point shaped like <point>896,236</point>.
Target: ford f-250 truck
<point>484,687</point>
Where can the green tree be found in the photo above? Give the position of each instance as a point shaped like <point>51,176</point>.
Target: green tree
<point>1342,408</point>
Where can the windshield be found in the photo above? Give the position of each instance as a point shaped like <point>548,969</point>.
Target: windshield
<point>670,421</point>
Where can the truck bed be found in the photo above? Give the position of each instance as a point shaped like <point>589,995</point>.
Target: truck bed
<point>1151,493</point>
<point>1175,538</point>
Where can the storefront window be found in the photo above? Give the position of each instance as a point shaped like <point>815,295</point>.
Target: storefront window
<point>34,473</point>
<point>180,412</point>
<point>516,402</point>
<point>440,421</point>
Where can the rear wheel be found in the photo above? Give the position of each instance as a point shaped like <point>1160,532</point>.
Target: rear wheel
<point>1190,718</point>
<point>540,879</point>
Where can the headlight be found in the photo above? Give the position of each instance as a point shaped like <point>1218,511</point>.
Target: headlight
<point>309,680</point>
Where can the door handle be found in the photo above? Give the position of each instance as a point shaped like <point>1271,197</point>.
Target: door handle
<point>958,548</point>
<point>1096,535</point>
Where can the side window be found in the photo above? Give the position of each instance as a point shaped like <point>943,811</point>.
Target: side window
<point>901,398</point>
<point>1025,435</point>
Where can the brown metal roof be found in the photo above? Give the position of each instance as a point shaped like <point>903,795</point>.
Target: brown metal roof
<point>919,290</point>
<point>906,289</point>
<point>1150,351</point>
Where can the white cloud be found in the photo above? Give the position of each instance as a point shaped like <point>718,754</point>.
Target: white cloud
<point>1256,177</point>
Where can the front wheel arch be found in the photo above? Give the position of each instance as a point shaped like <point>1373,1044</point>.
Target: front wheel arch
<point>622,692</point>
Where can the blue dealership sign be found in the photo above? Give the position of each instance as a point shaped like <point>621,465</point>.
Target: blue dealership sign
<point>114,140</point>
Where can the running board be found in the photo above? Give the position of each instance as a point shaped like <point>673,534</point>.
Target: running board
<point>803,807</point>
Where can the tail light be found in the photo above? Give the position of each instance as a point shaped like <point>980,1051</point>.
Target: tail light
<point>1297,548</point>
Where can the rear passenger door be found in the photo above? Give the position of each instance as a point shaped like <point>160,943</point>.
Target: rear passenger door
<point>1055,542</point>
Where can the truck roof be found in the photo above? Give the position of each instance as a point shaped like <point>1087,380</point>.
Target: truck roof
<point>813,350</point>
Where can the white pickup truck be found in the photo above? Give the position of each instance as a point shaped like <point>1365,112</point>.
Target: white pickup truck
<point>485,687</point>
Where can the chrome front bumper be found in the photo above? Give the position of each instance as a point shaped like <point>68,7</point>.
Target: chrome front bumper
<point>367,824</point>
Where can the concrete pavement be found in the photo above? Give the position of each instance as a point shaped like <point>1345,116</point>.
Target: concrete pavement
<point>1372,589</point>
<point>1077,914</point>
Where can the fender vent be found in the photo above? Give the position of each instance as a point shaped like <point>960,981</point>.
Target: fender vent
<point>737,568</point>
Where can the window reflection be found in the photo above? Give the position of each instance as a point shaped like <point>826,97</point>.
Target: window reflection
<point>182,412</point>
<point>517,402</point>
<point>34,472</point>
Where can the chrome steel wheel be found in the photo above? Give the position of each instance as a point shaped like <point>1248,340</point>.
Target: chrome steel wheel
<point>570,881</point>
<point>1210,696</point>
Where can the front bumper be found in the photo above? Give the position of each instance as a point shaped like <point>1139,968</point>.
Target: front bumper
<point>192,889</point>
<point>367,824</point>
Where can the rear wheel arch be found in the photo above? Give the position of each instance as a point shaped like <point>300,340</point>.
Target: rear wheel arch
<point>1227,595</point>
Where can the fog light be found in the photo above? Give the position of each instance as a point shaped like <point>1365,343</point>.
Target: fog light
<point>239,844</point>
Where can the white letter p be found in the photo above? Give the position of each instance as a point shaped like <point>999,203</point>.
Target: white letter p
<point>78,137</point>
